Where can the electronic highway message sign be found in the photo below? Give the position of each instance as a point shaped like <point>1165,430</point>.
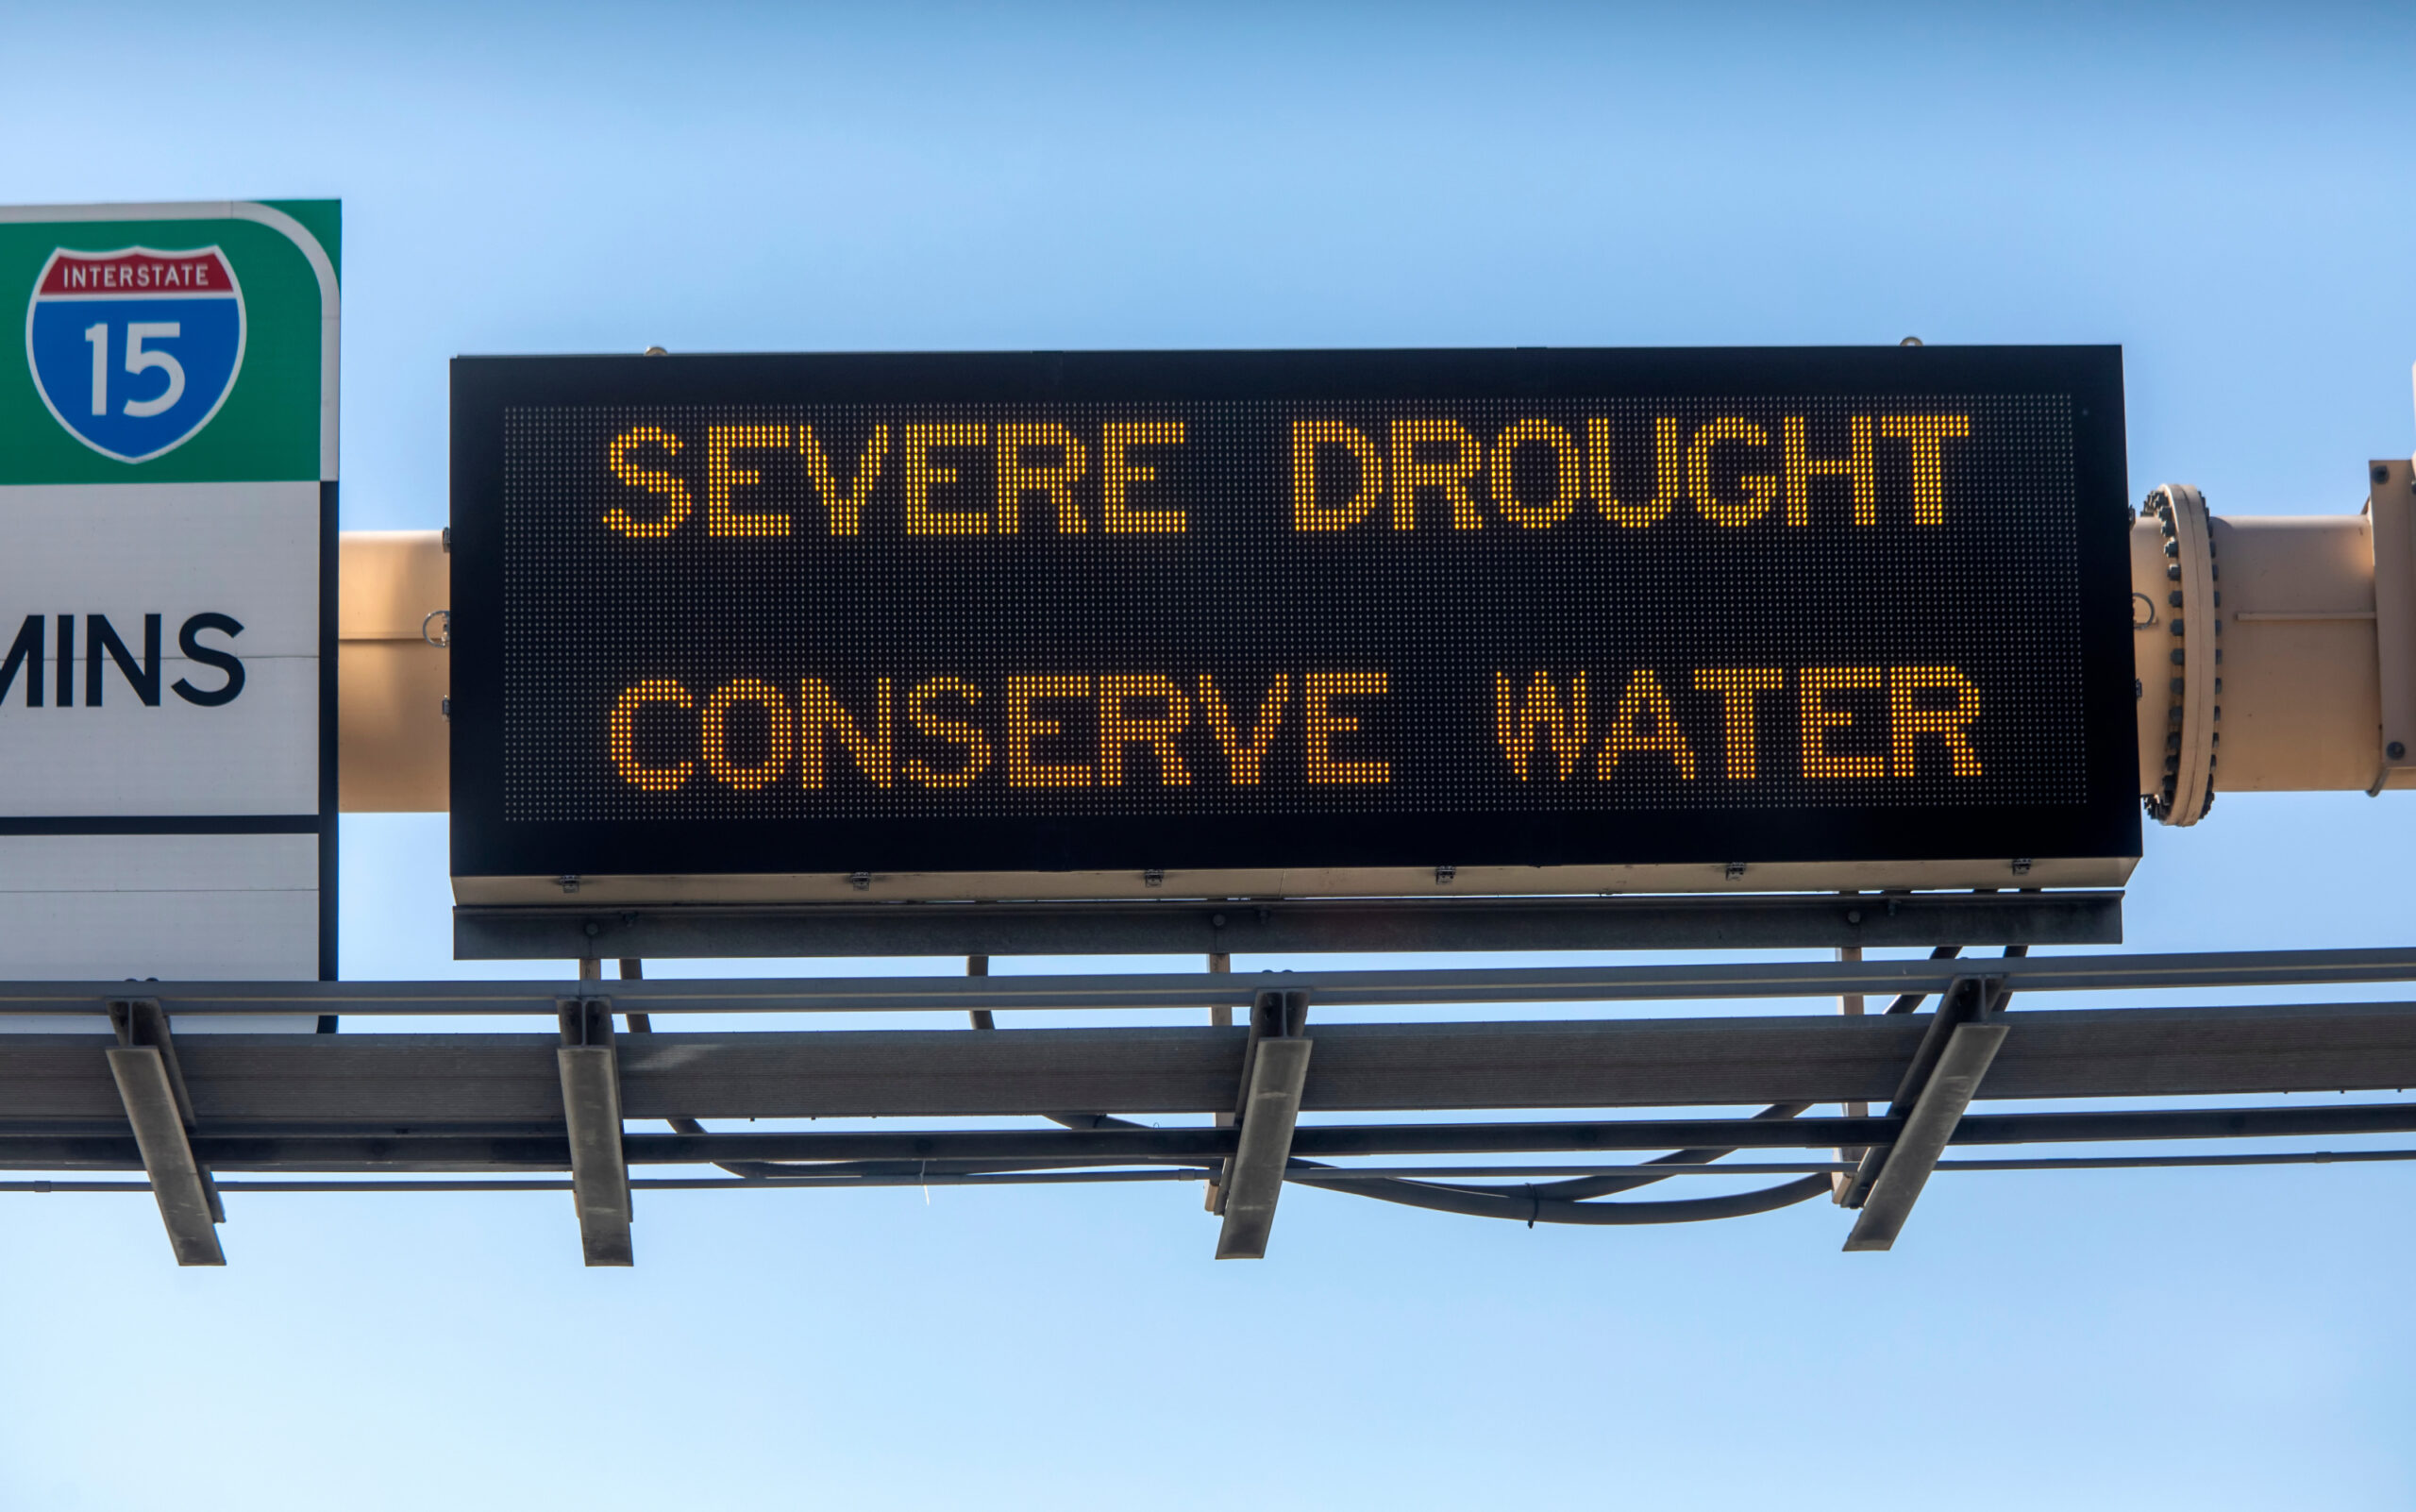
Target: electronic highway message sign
<point>1289,622</point>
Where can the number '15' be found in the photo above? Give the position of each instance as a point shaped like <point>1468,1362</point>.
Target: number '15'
<point>138,361</point>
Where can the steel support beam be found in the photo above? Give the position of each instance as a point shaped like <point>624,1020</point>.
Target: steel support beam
<point>591,1087</point>
<point>1271,1012</point>
<point>1928,1129</point>
<point>1965,1000</point>
<point>1277,1068</point>
<point>375,1083</point>
<point>44,1150</point>
<point>150,1085</point>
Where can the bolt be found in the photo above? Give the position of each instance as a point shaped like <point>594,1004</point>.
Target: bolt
<point>2395,751</point>
<point>2381,473</point>
<point>1853,916</point>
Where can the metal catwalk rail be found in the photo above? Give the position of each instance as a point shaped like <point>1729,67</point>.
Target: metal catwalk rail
<point>1339,989</point>
<point>418,1111</point>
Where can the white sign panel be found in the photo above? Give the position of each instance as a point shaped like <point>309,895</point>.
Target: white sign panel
<point>167,529</point>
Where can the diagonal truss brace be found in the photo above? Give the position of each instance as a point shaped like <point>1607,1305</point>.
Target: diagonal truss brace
<point>1962,1041</point>
<point>1275,1068</point>
<point>152,1086</point>
<point>599,1173</point>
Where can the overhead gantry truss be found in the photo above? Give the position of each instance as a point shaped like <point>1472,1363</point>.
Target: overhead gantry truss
<point>368,1109</point>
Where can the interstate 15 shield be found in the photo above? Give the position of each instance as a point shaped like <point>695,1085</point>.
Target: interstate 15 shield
<point>134,350</point>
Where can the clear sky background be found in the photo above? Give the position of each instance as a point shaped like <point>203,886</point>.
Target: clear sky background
<point>2226,192</point>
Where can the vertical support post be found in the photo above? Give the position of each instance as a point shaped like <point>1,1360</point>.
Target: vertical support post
<point>1221,1015</point>
<point>633,969</point>
<point>1220,964</point>
<point>599,1174</point>
<point>1850,1005</point>
<point>979,966</point>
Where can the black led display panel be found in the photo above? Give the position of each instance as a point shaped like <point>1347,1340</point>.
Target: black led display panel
<point>1289,612</point>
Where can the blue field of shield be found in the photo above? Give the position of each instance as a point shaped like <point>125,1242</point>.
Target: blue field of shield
<point>133,379</point>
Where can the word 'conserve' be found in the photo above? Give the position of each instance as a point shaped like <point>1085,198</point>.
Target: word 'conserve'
<point>1148,730</point>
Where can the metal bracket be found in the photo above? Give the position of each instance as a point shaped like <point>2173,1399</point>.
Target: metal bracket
<point>1962,1040</point>
<point>2392,509</point>
<point>1178,926</point>
<point>1961,1002</point>
<point>599,1173</point>
<point>1275,1068</point>
<point>152,1085</point>
<point>2195,654</point>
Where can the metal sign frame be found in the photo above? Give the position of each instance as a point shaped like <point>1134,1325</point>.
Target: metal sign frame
<point>373,1110</point>
<point>505,860</point>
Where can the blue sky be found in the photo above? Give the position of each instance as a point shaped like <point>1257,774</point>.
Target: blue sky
<point>2223,190</point>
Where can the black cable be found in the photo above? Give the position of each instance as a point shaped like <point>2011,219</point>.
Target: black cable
<point>1527,1209</point>
<point>1605,1185</point>
<point>1565,1201</point>
<point>1583,1186</point>
<point>1533,1204</point>
<point>1546,1203</point>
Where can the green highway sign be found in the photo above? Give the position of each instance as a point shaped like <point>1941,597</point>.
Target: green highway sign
<point>168,449</point>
